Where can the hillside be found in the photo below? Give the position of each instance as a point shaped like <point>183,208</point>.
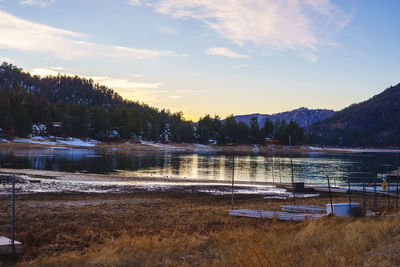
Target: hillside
<point>374,122</point>
<point>303,116</point>
<point>80,108</point>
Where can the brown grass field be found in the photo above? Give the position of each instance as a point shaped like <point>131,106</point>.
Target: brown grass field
<point>183,229</point>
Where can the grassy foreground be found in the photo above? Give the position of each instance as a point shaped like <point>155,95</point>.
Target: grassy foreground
<point>174,229</point>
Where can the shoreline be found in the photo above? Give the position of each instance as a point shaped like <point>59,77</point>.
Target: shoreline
<point>269,150</point>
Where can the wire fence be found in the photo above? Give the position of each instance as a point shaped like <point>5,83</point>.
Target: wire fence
<point>7,184</point>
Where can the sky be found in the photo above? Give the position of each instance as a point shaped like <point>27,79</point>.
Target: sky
<point>212,57</point>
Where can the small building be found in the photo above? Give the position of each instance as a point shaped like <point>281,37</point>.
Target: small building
<point>112,134</point>
<point>57,124</point>
<point>39,130</point>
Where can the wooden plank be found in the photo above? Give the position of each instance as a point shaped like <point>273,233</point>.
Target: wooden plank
<point>304,209</point>
<point>6,247</point>
<point>280,215</point>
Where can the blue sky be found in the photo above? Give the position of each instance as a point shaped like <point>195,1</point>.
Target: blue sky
<point>218,57</point>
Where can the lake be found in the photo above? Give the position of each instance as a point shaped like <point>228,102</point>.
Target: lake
<point>311,167</point>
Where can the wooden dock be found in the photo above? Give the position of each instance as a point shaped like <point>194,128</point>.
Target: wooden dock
<point>6,246</point>
<point>279,215</point>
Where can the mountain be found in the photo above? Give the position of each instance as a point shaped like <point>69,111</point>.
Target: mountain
<point>374,122</point>
<point>303,116</point>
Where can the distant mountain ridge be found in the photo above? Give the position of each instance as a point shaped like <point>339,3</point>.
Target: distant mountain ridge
<point>303,116</point>
<point>374,122</point>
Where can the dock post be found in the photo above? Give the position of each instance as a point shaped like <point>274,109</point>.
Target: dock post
<point>273,167</point>
<point>349,192</point>
<point>280,172</point>
<point>375,200</point>
<point>364,199</point>
<point>291,163</point>
<point>388,195</point>
<point>233,178</point>
<point>397,187</point>
<point>13,215</point>
<point>330,195</point>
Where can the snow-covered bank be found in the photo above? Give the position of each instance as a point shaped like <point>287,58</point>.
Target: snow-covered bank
<point>54,141</point>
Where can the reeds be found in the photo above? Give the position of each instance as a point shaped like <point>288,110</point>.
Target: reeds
<point>193,229</point>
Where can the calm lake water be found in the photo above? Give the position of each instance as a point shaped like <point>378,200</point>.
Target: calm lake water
<point>312,167</point>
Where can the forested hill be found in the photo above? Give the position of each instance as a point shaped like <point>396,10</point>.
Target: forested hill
<point>375,122</point>
<point>86,109</point>
<point>83,108</point>
<point>303,116</point>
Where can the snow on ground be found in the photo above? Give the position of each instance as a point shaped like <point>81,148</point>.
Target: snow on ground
<point>3,141</point>
<point>58,141</point>
<point>314,148</point>
<point>202,146</point>
<point>32,141</point>
<point>147,143</point>
<point>77,142</point>
<point>162,146</point>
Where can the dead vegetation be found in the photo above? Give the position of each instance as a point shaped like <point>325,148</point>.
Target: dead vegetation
<point>175,229</point>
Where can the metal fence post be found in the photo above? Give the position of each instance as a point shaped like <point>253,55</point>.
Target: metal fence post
<point>233,178</point>
<point>388,195</point>
<point>375,200</point>
<point>349,192</point>
<point>364,198</point>
<point>13,215</point>
<point>330,194</point>
<point>397,188</point>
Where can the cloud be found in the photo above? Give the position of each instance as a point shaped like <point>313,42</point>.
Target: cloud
<point>41,3</point>
<point>148,92</point>
<point>224,51</point>
<point>134,2</point>
<point>46,71</point>
<point>27,36</point>
<point>144,53</point>
<point>301,25</point>
<point>5,59</point>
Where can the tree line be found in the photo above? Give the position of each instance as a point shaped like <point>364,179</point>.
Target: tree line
<point>231,131</point>
<point>86,109</point>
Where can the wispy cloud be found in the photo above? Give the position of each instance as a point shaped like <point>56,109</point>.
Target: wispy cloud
<point>5,59</point>
<point>24,35</point>
<point>224,51</point>
<point>148,92</point>
<point>300,25</point>
<point>144,53</point>
<point>134,2</point>
<point>41,3</point>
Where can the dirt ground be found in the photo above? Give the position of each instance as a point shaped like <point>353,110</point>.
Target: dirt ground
<point>185,229</point>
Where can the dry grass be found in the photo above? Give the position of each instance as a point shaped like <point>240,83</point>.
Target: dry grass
<point>172,229</point>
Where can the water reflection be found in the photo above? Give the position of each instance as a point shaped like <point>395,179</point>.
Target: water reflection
<point>312,167</point>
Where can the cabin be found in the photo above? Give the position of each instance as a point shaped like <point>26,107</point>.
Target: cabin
<point>269,141</point>
<point>112,134</point>
<point>39,130</point>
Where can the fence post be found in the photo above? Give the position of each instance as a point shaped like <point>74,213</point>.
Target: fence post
<point>349,192</point>
<point>375,200</point>
<point>397,188</point>
<point>233,178</point>
<point>330,194</point>
<point>388,194</point>
<point>13,215</point>
<point>364,199</point>
<point>291,163</point>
